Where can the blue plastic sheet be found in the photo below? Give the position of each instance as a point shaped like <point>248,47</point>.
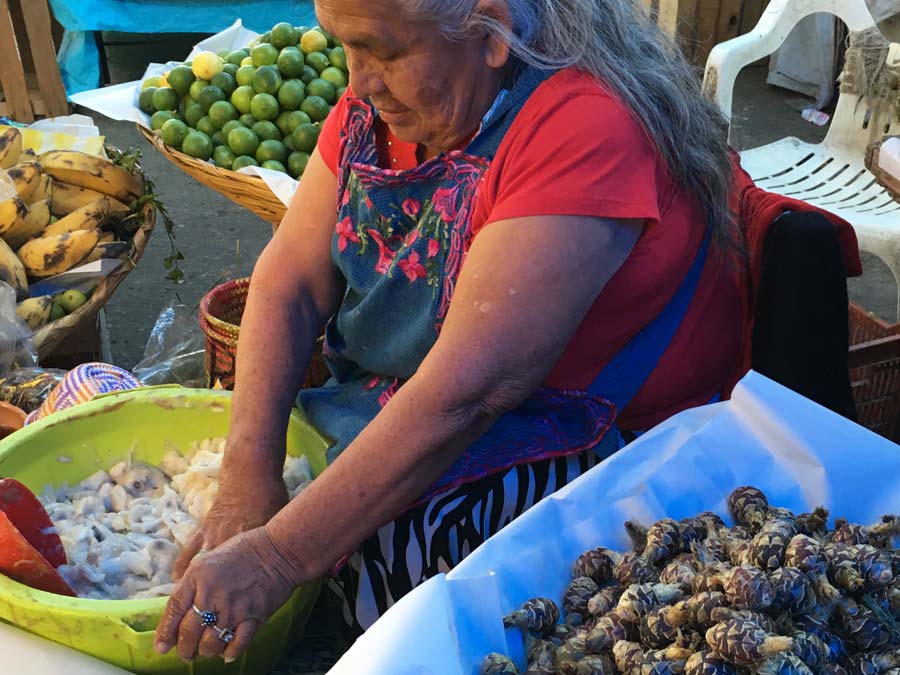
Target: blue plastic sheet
<point>79,58</point>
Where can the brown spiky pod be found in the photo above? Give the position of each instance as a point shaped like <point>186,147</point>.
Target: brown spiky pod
<point>541,657</point>
<point>710,550</point>
<point>742,554</point>
<point>895,562</point>
<point>681,570</point>
<point>748,506</point>
<point>658,628</point>
<point>576,596</point>
<point>596,664</point>
<point>810,649</point>
<point>814,523</point>
<point>806,554</point>
<point>562,632</point>
<point>713,523</point>
<point>710,578</point>
<point>793,592</point>
<point>608,630</point>
<point>668,661</point>
<point>691,529</point>
<point>633,569</point>
<point>747,587</point>
<point>768,547</point>
<point>697,610</point>
<point>638,599</point>
<point>707,662</point>
<point>860,626</point>
<point>663,541</point>
<point>817,622</point>
<point>874,565</point>
<point>605,600</point>
<point>886,600</point>
<point>599,564</point>
<point>833,668</point>
<point>846,532</point>
<point>784,663</point>
<point>538,615</point>
<point>571,652</point>
<point>873,663</point>
<point>736,542</point>
<point>744,642</point>
<point>843,569</point>
<point>878,535</point>
<point>637,532</point>
<point>628,655</point>
<point>720,614</point>
<point>498,664</point>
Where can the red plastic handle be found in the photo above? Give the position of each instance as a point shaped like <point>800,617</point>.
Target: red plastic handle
<point>28,516</point>
<point>21,561</point>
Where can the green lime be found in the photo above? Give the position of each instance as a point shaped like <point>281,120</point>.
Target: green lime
<point>271,150</point>
<point>266,80</point>
<point>288,143</point>
<point>305,137</point>
<point>338,58</point>
<point>247,62</point>
<point>218,139</point>
<point>284,35</point>
<point>193,113</point>
<point>166,98</point>
<point>290,120</point>
<point>301,30</point>
<point>225,82</point>
<point>297,162</point>
<point>264,54</point>
<point>265,107</point>
<point>230,126</point>
<point>57,311</point>
<point>236,57</point>
<point>266,37</point>
<point>274,165</point>
<point>71,300</point>
<point>197,87</point>
<point>318,61</point>
<point>313,41</point>
<point>182,107</point>
<point>244,76</point>
<point>159,118</point>
<point>197,144</point>
<point>291,94</point>
<point>266,131</point>
<point>243,141</point>
<point>316,107</point>
<point>174,132</point>
<point>321,88</point>
<point>210,95</point>
<point>205,125</point>
<point>290,62</point>
<point>145,100</point>
<point>180,79</point>
<point>335,76</point>
<point>222,112</point>
<point>223,54</point>
<point>241,98</point>
<point>231,69</point>
<point>151,82</point>
<point>308,75</point>
<point>247,120</point>
<point>340,92</point>
<point>328,36</point>
<point>242,161</point>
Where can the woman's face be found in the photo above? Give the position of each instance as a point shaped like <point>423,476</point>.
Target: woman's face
<point>427,89</point>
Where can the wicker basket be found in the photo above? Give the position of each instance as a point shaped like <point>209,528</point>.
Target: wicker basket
<point>888,182</point>
<point>250,192</point>
<point>875,372</point>
<point>220,318</point>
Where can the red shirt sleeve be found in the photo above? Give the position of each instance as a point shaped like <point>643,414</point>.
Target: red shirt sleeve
<point>330,135</point>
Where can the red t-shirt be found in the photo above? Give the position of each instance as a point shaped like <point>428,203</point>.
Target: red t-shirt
<point>576,150</point>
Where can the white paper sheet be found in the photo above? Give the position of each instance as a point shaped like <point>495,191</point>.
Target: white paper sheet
<point>799,453</point>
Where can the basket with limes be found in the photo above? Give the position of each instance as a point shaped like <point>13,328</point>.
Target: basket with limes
<point>258,106</point>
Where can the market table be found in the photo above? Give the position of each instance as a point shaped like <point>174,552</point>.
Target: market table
<point>79,55</point>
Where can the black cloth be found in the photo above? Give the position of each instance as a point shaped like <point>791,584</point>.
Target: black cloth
<point>801,331</point>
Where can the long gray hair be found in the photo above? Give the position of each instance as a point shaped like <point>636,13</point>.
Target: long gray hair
<point>616,41</point>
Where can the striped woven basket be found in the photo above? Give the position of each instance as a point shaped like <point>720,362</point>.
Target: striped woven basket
<point>220,319</point>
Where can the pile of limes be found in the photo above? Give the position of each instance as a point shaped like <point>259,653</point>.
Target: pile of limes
<point>259,106</point>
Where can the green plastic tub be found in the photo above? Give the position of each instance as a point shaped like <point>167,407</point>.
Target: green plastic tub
<point>71,445</point>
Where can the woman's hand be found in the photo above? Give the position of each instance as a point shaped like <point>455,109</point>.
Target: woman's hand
<point>244,581</point>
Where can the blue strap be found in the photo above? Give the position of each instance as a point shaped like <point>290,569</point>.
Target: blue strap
<point>630,368</point>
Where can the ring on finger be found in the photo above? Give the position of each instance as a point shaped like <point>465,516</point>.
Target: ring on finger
<point>208,619</point>
<point>226,635</point>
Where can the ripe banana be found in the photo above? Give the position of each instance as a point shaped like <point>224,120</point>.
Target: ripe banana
<point>28,155</point>
<point>94,173</point>
<point>44,190</point>
<point>48,256</point>
<point>88,217</point>
<point>37,218</point>
<point>12,213</point>
<point>68,198</point>
<point>12,271</point>
<point>108,250</point>
<point>10,146</point>
<point>26,176</point>
<point>35,312</point>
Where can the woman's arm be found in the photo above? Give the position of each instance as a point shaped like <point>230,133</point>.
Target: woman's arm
<point>525,287</point>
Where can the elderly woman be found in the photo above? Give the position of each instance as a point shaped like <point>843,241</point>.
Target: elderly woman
<point>515,235</point>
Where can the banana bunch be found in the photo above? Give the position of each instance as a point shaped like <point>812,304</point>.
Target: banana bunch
<point>65,202</point>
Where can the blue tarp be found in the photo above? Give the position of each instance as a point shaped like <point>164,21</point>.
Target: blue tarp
<point>79,58</point>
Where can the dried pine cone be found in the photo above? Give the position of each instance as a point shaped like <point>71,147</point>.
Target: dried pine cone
<point>805,553</point>
<point>710,578</point>
<point>576,596</point>
<point>843,570</point>
<point>832,668</point>
<point>860,626</point>
<point>681,570</point>
<point>628,655</point>
<point>497,664</point>
<point>885,600</point>
<point>744,642</point>
<point>658,629</point>
<point>599,564</point>
<point>874,565</point>
<point>720,614</point>
<point>538,615</point>
<point>748,506</point>
<point>784,663</point>
<point>817,622</point>
<point>637,532</point>
<point>571,652</point>
<point>707,662</point>
<point>810,649</point>
<point>638,599</point>
<point>596,664</point>
<point>605,600</point>
<point>697,609</point>
<point>785,518</point>
<point>541,655</point>
<point>873,664</point>
<point>713,523</point>
<point>608,630</point>
<point>767,548</point>
<point>668,661</point>
<point>793,592</point>
<point>633,569</point>
<point>710,550</point>
<point>747,588</point>
<point>663,541</point>
<point>813,524</point>
<point>692,529</point>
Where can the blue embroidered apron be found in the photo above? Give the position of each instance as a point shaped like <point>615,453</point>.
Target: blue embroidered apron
<point>400,242</point>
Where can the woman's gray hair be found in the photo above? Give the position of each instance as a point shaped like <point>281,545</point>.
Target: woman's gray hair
<point>616,41</point>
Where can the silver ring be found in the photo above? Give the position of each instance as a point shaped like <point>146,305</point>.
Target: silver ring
<point>207,619</point>
<point>225,635</point>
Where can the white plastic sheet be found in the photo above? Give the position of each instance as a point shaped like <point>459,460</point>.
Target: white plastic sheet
<point>799,453</point>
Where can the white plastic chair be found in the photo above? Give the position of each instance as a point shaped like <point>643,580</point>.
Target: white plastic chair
<point>832,174</point>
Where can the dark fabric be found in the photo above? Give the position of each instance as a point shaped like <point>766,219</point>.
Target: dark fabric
<point>801,334</point>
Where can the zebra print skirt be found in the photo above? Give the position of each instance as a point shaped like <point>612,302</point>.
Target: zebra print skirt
<point>433,537</point>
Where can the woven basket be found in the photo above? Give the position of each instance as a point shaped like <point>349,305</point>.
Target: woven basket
<point>888,182</point>
<point>875,372</point>
<point>220,317</point>
<point>250,192</point>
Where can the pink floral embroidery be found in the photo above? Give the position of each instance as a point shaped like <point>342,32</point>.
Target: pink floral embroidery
<point>411,267</point>
<point>372,384</point>
<point>346,199</point>
<point>444,201</point>
<point>388,393</point>
<point>385,254</point>
<point>346,233</point>
<point>368,203</point>
<point>411,207</point>
<point>411,238</point>
<point>433,248</point>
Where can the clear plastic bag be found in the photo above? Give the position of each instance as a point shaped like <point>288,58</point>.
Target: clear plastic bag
<point>16,343</point>
<point>176,350</point>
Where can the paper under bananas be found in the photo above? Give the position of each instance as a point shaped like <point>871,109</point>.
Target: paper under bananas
<point>93,215</point>
<point>35,312</point>
<point>48,256</point>
<point>10,147</point>
<point>94,173</point>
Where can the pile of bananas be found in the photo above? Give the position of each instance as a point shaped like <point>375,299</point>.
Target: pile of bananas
<point>65,214</point>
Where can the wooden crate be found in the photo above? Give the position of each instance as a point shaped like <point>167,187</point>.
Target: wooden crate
<point>30,80</point>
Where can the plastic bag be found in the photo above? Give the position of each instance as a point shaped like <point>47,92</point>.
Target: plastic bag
<point>16,343</point>
<point>176,350</point>
<point>7,186</point>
